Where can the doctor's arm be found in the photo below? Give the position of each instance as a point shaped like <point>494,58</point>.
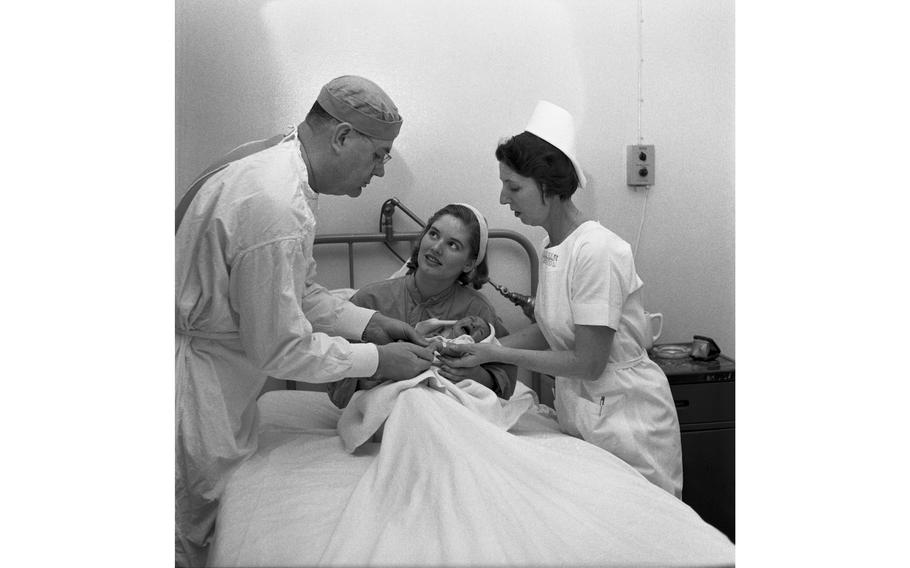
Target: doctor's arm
<point>383,329</point>
<point>278,337</point>
<point>586,361</point>
<point>336,316</point>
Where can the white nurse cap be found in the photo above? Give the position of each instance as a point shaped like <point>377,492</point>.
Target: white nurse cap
<point>555,125</point>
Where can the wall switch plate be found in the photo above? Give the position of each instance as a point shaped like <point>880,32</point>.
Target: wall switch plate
<point>640,165</point>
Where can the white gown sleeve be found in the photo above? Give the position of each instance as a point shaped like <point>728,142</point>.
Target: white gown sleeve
<point>600,284</point>
<point>267,284</point>
<point>333,315</point>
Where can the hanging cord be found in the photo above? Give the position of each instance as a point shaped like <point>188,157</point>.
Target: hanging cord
<point>644,206</point>
<point>641,61</point>
<point>641,100</point>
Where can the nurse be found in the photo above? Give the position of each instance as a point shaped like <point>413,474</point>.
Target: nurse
<point>246,303</point>
<point>591,325</point>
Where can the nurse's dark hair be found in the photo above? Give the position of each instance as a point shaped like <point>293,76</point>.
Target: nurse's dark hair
<point>531,156</point>
<point>475,278</point>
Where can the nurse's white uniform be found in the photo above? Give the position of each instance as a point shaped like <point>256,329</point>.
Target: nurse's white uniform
<point>247,308</point>
<point>590,279</point>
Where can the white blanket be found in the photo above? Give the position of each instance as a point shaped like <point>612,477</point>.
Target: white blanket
<point>451,488</point>
<point>448,487</point>
<point>365,413</point>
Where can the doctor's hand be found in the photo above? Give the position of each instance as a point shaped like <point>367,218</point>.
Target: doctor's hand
<point>402,360</point>
<point>383,329</point>
<point>467,354</point>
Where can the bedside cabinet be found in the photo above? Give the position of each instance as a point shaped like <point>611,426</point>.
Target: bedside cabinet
<point>704,393</point>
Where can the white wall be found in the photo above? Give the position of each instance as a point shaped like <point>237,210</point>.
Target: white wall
<point>465,74</point>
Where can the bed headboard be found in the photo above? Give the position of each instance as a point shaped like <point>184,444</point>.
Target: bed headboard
<point>383,238</point>
<point>389,238</point>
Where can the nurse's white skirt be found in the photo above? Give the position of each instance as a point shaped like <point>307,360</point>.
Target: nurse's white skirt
<point>629,412</point>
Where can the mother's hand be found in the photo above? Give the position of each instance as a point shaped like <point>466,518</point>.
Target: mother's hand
<point>467,354</point>
<point>476,374</point>
<point>432,326</point>
<point>382,330</point>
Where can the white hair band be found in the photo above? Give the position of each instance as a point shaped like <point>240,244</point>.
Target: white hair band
<point>482,223</point>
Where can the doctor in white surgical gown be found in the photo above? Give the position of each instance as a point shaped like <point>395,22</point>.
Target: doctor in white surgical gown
<point>246,304</point>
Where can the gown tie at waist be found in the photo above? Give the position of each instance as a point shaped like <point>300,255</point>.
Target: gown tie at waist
<point>216,335</point>
<point>625,364</point>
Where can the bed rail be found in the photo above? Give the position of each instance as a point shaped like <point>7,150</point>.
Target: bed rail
<point>388,236</point>
<point>351,239</point>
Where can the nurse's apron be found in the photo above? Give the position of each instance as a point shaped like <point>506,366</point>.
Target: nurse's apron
<point>629,412</point>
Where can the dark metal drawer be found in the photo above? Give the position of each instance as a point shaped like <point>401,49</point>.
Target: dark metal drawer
<point>705,402</point>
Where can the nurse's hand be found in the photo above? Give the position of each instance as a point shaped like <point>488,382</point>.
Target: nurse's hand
<point>467,354</point>
<point>383,329</point>
<point>401,360</point>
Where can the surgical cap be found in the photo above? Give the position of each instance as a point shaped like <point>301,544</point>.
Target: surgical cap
<point>363,104</point>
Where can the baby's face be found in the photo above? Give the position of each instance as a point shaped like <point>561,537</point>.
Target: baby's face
<point>474,326</point>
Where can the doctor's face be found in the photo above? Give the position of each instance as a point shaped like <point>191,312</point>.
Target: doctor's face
<point>523,196</point>
<point>362,158</point>
<point>445,249</point>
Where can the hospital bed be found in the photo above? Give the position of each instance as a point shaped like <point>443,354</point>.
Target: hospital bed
<point>445,487</point>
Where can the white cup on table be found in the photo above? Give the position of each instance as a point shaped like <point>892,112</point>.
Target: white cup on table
<point>652,322</point>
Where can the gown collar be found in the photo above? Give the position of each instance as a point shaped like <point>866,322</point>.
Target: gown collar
<point>414,292</point>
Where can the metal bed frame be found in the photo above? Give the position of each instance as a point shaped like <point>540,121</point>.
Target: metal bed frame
<point>351,239</point>
<point>388,236</point>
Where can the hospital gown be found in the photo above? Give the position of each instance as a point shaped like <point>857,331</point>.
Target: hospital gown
<point>399,298</point>
<point>590,279</point>
<point>247,308</point>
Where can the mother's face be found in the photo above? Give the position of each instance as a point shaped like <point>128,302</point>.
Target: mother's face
<point>445,249</point>
<point>523,196</point>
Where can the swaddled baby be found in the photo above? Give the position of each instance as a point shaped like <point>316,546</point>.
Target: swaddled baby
<point>469,329</point>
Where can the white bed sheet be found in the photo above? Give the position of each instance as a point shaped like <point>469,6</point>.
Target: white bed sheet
<point>530,496</point>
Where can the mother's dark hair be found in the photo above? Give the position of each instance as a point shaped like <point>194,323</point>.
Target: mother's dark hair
<point>480,275</point>
<point>533,157</point>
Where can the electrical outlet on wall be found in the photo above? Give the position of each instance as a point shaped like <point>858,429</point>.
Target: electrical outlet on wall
<point>640,165</point>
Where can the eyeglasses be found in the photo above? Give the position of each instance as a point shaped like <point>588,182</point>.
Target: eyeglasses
<point>381,159</point>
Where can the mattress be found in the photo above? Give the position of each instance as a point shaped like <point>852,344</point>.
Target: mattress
<point>446,488</point>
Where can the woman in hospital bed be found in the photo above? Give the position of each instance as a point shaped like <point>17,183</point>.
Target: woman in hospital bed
<point>445,270</point>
